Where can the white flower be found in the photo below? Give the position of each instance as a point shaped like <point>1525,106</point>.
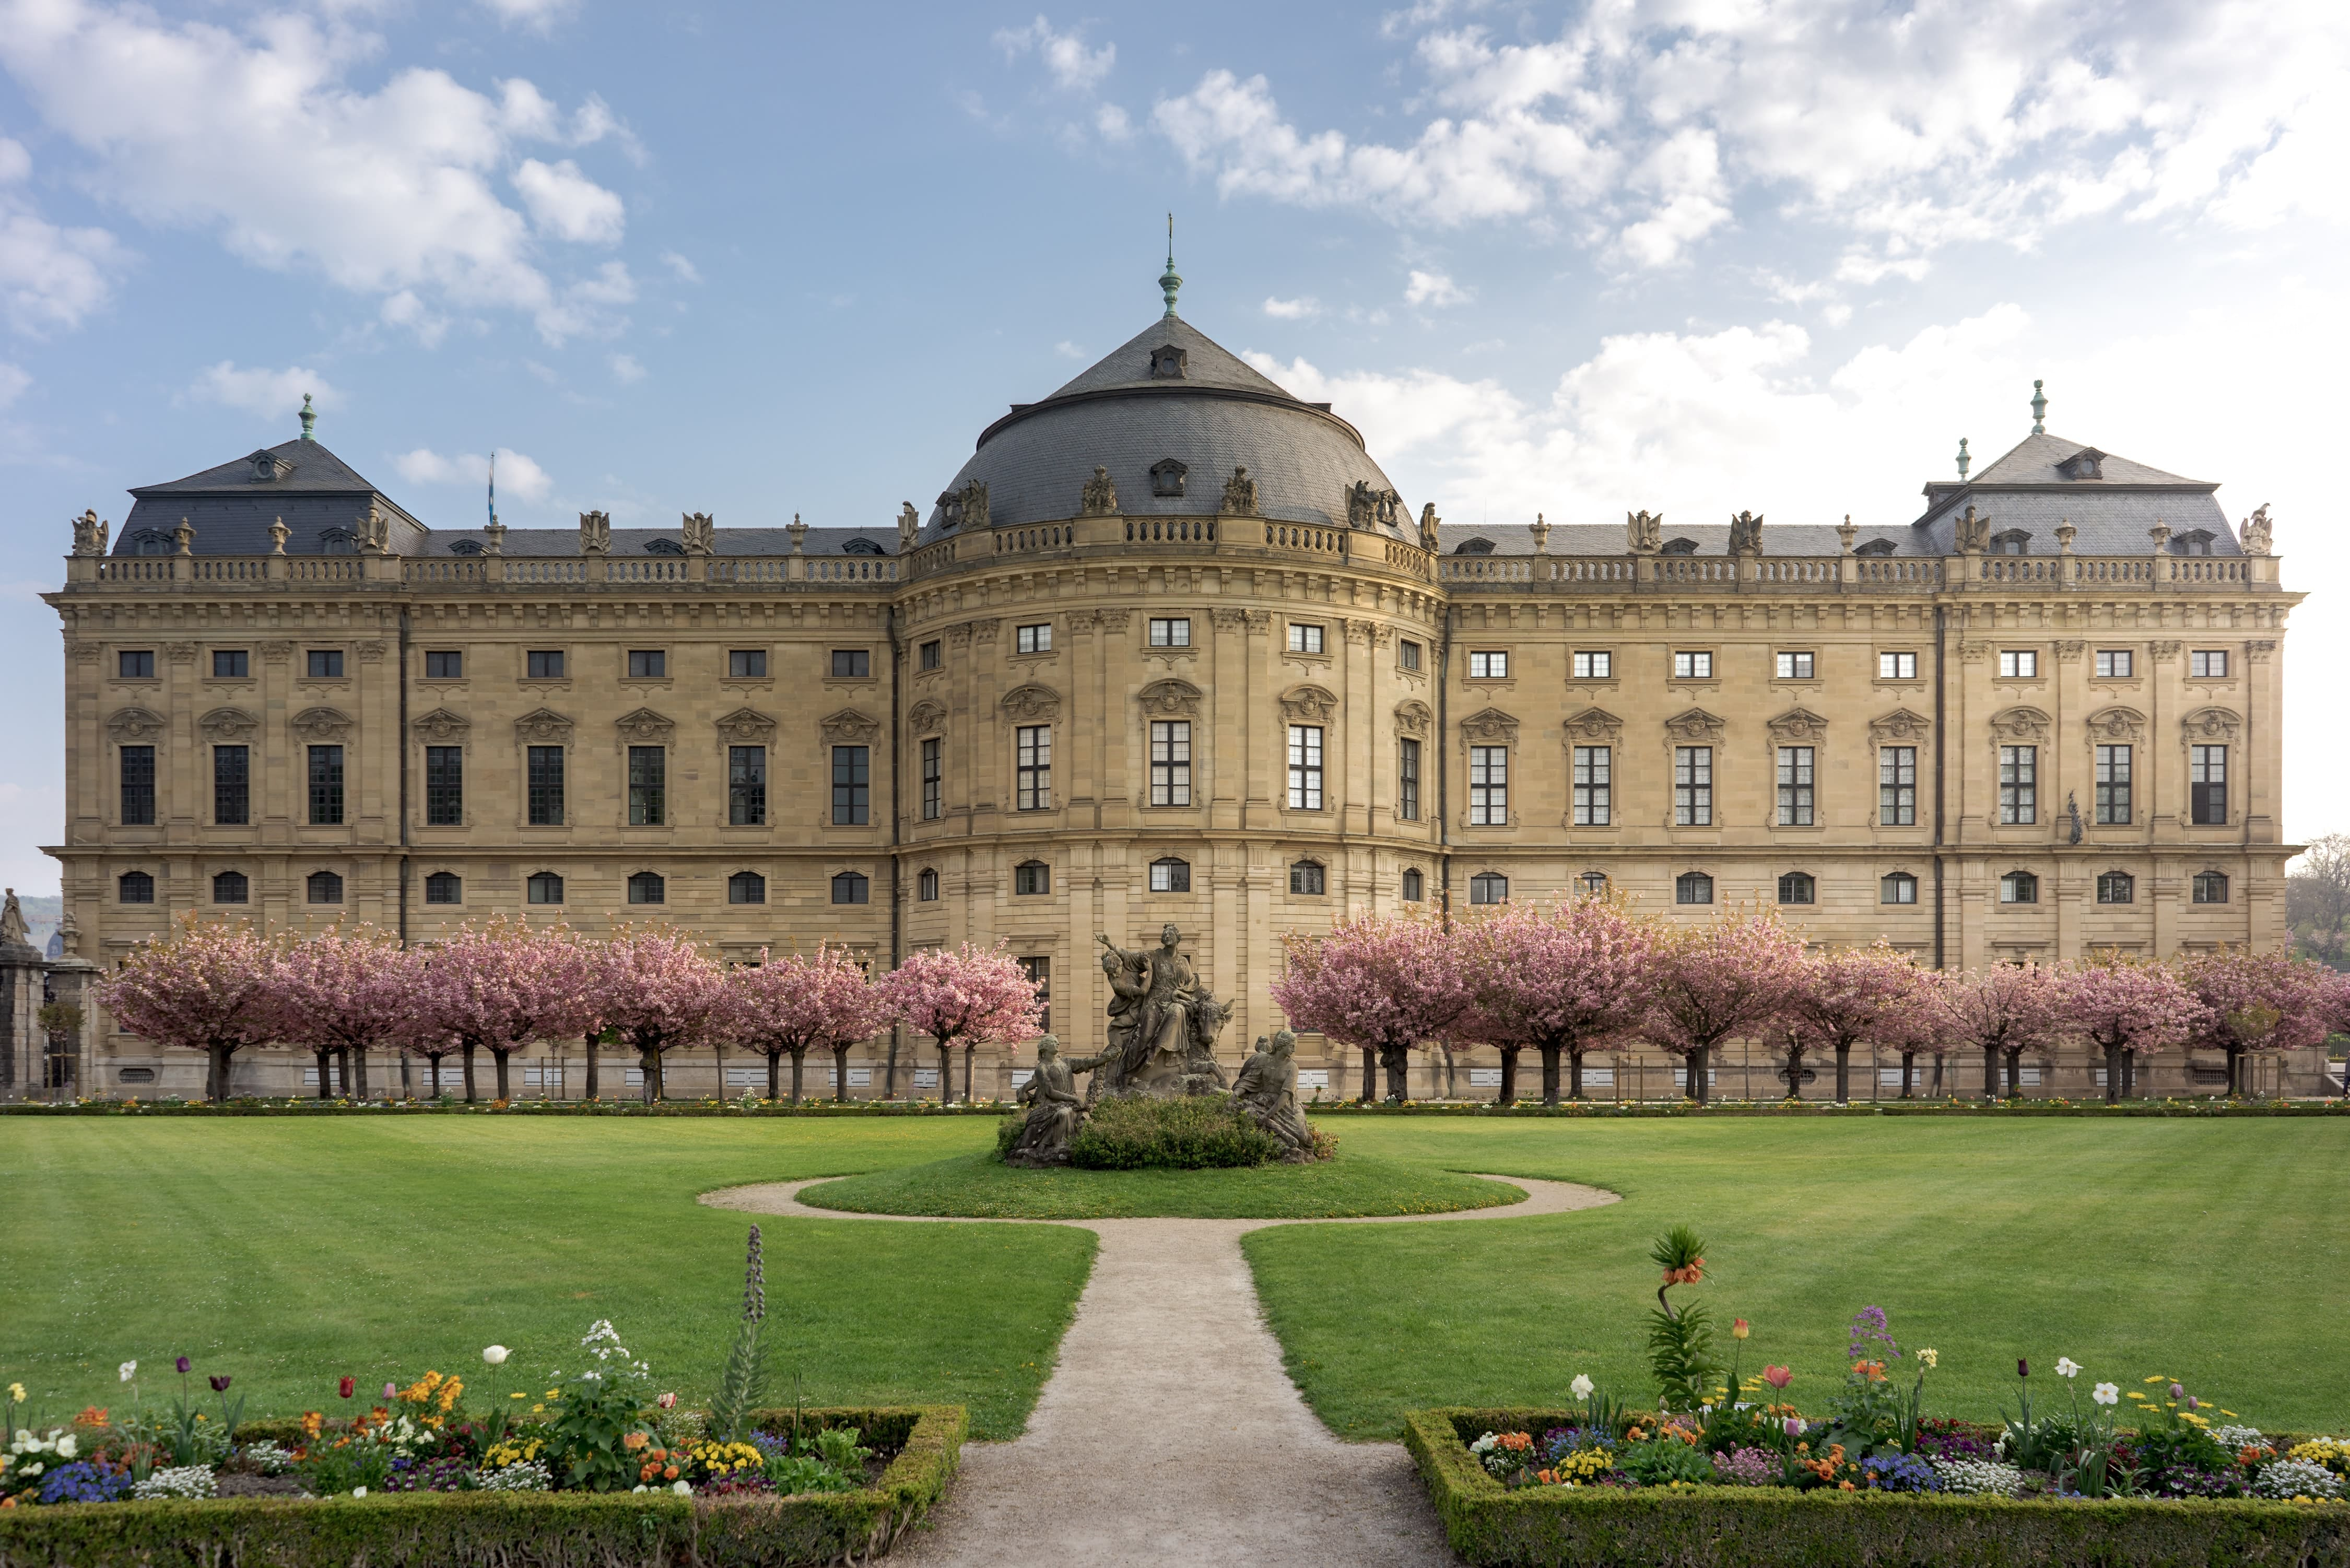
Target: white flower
<point>65,1447</point>
<point>2106,1394</point>
<point>1581,1388</point>
<point>358,1491</point>
<point>130,1370</point>
<point>639,1487</point>
<point>495,1355</point>
<point>2067,1368</point>
<point>682,1488</point>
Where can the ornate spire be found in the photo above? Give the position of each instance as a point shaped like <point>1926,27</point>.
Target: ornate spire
<point>493,487</point>
<point>1168,281</point>
<point>1964,461</point>
<point>2039,410</point>
<point>309,418</point>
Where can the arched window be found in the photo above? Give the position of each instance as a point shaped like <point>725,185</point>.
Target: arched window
<point>465,547</point>
<point>1032,877</point>
<point>1489,888</point>
<point>1593,883</point>
<point>1897,887</point>
<point>2211,888</point>
<point>134,887</point>
<point>2195,542</point>
<point>851,888</point>
<point>443,887</point>
<point>147,542</point>
<point>1170,874</point>
<point>663,547</point>
<point>1305,878</point>
<point>545,888</point>
<point>1678,547</point>
<point>647,888</point>
<point>2019,888</point>
<point>1692,887</point>
<point>1415,885</point>
<point>2014,542</point>
<point>338,541</point>
<point>862,547</point>
<point>229,887</point>
<point>926,885</point>
<point>2116,887</point>
<point>325,887</point>
<point>747,887</point>
<point>1474,547</point>
<point>1797,887</point>
<point>1875,547</point>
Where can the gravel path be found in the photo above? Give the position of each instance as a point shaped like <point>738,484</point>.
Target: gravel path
<point>1188,1446</point>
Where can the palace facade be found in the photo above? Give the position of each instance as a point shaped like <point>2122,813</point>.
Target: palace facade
<point>1170,647</point>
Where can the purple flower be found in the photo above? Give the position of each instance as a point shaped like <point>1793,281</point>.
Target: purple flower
<point>2022,1367</point>
<point>84,1481</point>
<point>220,1381</point>
<point>182,1364</point>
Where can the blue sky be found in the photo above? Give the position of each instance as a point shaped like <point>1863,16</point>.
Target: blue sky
<point>1696,257</point>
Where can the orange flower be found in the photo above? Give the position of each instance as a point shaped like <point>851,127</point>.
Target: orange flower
<point>312,1423</point>
<point>633,1441</point>
<point>1872,1370</point>
<point>91,1415</point>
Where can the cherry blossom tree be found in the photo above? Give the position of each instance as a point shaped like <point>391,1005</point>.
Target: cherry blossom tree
<point>1876,993</point>
<point>202,987</point>
<point>1730,977</point>
<point>340,993</point>
<point>2128,1008</point>
<point>2002,1011</point>
<point>791,1006</point>
<point>499,986</point>
<point>655,991</point>
<point>965,996</point>
<point>2255,1003</point>
<point>1382,983</point>
<point>1564,981</point>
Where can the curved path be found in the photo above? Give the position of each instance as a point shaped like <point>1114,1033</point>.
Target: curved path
<point>1147,1446</point>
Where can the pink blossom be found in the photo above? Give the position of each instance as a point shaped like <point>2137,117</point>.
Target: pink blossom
<point>2130,1007</point>
<point>653,989</point>
<point>1572,979</point>
<point>1733,976</point>
<point>2002,1011</point>
<point>794,1005</point>
<point>1382,983</point>
<point>497,987</point>
<point>201,987</point>
<point>341,990</point>
<point>1876,994</point>
<point>2256,1002</point>
<point>968,997</point>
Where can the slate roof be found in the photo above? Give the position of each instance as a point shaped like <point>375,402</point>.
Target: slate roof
<point>2024,489</point>
<point>311,489</point>
<point>633,541</point>
<point>1711,539</point>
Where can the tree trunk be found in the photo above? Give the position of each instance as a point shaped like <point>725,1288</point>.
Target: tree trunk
<point>2129,1073</point>
<point>1397,1059</point>
<point>343,1070</point>
<point>216,1072</point>
<point>326,1083</point>
<point>1370,1074</point>
<point>1509,1091</point>
<point>1908,1069</point>
<point>969,1049</point>
<point>2113,1074</point>
<point>1991,1072</point>
<point>1844,1072</point>
<point>1697,1073</point>
<point>2015,1075</point>
<point>798,1057</point>
<point>648,1070</point>
<point>946,1073</point>
<point>498,1066</point>
<point>840,1075</point>
<point>774,1075</point>
<point>359,1070</point>
<point>1550,1073</point>
<point>469,1074</point>
<point>591,1086</point>
<point>2235,1075</point>
<point>1574,1073</point>
<point>434,1081</point>
<point>1794,1072</point>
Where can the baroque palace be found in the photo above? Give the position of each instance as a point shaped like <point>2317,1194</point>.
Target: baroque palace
<point>1171,648</point>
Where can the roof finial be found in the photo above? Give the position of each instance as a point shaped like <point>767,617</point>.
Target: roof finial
<point>2039,410</point>
<point>1168,282</point>
<point>1964,461</point>
<point>493,487</point>
<point>309,418</point>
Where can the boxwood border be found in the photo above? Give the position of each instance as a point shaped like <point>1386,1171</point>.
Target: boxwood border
<point>1773,1527</point>
<point>515,1529</point>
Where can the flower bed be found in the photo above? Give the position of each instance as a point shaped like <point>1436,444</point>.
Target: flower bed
<point>1801,1108</point>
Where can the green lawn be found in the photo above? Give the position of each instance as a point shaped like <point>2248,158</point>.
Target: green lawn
<point>975,1184</point>
<point>2216,1251</point>
<point>288,1252</point>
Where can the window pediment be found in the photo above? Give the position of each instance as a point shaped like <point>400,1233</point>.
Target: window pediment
<point>1032,701</point>
<point>645,726</point>
<point>1798,724</point>
<point>1170,699</point>
<point>2018,723</point>
<point>1308,705</point>
<point>928,717</point>
<point>746,726</point>
<point>543,726</point>
<point>322,725</point>
<point>1490,726</point>
<point>442,725</point>
<point>134,725</point>
<point>1594,724</point>
<point>2210,726</point>
<point>1694,725</point>
<point>849,728</point>
<point>2116,726</point>
<point>1412,718</point>
<point>227,724</point>
<point>1899,726</point>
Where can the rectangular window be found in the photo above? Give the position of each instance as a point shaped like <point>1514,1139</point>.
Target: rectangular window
<point>1171,761</point>
<point>1896,786</point>
<point>2207,663</point>
<point>326,664</point>
<point>746,786</point>
<point>1408,654</point>
<point>135,664</point>
<point>1794,786</point>
<point>444,787</point>
<point>648,664</point>
<point>1896,666</point>
<point>1039,972</point>
<point>325,786</point>
<point>2113,787</point>
<point>1594,666</point>
<point>1032,767</point>
<point>230,664</point>
<point>544,663</point>
<point>852,785</point>
<point>934,772</point>
<point>444,664</point>
<point>1494,666</point>
<point>851,663</point>
<point>1171,631</point>
<point>1692,786</point>
<point>2207,785</point>
<point>2018,664</point>
<point>1305,767</point>
<point>934,655</point>
<point>137,786</point>
<point>1489,786</point>
<point>1305,639</point>
<point>232,785</point>
<point>648,785</point>
<point>545,786</point>
<point>2114,663</point>
<point>1036,639</point>
<point>1594,786</point>
<point>1693,665</point>
<point>2019,784</point>
<point>1408,780</point>
<point>1794,667</point>
<point>746,664</point>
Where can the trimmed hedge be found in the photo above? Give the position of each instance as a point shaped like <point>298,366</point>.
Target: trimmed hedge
<point>1775,1527</point>
<point>515,1529</point>
<point>1189,1132</point>
<point>1977,1108</point>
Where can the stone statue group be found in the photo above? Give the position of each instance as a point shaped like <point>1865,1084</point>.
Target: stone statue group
<point>1163,1026</point>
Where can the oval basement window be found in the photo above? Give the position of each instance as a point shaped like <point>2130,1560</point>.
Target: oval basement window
<point>137,1074</point>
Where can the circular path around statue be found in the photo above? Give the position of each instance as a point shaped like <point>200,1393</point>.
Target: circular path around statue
<point>1147,1446</point>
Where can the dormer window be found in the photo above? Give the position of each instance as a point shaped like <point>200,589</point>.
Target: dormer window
<point>2196,541</point>
<point>2087,464</point>
<point>466,547</point>
<point>338,542</point>
<point>1167,477</point>
<point>2014,542</point>
<point>265,469</point>
<point>1678,547</point>
<point>147,542</point>
<point>1474,547</point>
<point>862,547</point>
<point>663,547</point>
<point>1875,548</point>
<point>950,509</point>
<point>1168,363</point>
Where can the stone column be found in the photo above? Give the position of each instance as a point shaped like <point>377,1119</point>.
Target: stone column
<point>70,979</point>
<point>23,1042</point>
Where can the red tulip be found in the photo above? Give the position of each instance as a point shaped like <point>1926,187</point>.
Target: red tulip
<point>1777,1376</point>
<point>345,1387</point>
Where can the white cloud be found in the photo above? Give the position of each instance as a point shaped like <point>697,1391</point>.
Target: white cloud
<point>567,204</point>
<point>273,395</point>
<point>684,270</point>
<point>1113,123</point>
<point>626,370</point>
<point>517,475</point>
<point>49,276</point>
<point>15,381</point>
<point>258,137</point>
<point>1068,350</point>
<point>1304,309</point>
<point>1074,66</point>
<point>539,14</point>
<point>1435,288</point>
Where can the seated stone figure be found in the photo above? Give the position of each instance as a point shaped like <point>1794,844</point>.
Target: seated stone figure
<point>1267,1090</point>
<point>1055,1110</point>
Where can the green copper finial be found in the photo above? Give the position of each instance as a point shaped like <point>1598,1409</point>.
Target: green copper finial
<point>1168,282</point>
<point>2038,411</point>
<point>309,418</point>
<point>1963,459</point>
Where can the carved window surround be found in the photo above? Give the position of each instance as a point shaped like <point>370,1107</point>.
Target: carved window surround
<point>927,717</point>
<point>1170,699</point>
<point>440,727</point>
<point>133,726</point>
